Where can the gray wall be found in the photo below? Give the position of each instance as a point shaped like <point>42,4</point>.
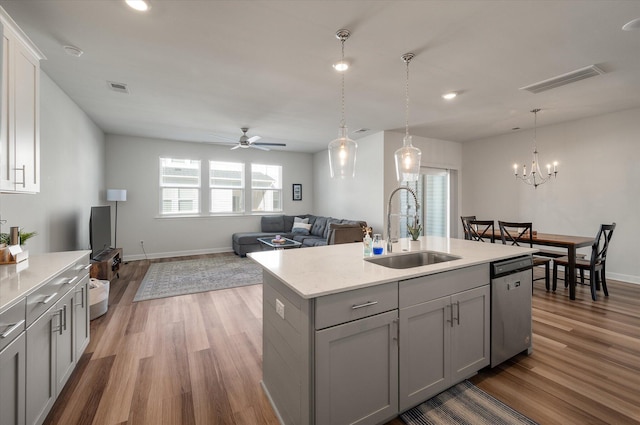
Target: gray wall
<point>133,164</point>
<point>597,183</point>
<point>71,170</point>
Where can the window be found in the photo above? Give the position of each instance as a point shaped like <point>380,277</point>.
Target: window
<point>266,188</point>
<point>179,186</point>
<point>226,182</point>
<point>433,190</point>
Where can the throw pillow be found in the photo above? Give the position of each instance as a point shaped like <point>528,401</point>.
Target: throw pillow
<point>301,229</point>
<point>300,220</point>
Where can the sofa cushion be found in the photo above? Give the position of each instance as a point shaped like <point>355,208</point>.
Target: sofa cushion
<point>318,227</point>
<point>272,223</point>
<point>330,221</point>
<point>301,229</point>
<point>314,241</point>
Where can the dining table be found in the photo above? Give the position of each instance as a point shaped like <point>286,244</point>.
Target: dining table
<point>568,242</point>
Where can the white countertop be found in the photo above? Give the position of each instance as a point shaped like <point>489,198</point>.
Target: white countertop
<point>324,270</point>
<point>19,280</point>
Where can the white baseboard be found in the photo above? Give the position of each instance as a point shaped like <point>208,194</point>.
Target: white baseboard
<point>169,254</point>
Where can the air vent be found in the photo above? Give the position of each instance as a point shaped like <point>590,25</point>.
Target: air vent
<point>119,87</point>
<point>361,130</point>
<point>561,80</point>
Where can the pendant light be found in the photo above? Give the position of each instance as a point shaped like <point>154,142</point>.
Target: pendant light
<point>407,157</point>
<point>535,177</point>
<point>342,151</point>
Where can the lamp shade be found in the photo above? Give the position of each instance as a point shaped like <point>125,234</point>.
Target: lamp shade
<point>342,156</point>
<point>407,160</point>
<point>116,194</point>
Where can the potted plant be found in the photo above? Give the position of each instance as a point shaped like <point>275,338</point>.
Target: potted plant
<point>415,230</point>
<point>24,236</point>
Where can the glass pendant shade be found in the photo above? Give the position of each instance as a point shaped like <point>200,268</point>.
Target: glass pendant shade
<point>408,162</point>
<point>342,156</point>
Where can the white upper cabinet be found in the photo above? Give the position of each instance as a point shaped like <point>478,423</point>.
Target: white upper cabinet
<point>19,113</point>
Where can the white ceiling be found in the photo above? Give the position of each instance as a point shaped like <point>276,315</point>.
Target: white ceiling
<point>200,70</point>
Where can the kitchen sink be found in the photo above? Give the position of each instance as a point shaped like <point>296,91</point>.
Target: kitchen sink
<point>414,259</point>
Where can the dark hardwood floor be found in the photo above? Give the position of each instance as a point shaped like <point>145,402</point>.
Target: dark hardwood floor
<point>196,359</point>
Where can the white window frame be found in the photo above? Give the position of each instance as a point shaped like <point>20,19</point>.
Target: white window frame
<point>275,190</point>
<point>164,187</point>
<point>224,188</point>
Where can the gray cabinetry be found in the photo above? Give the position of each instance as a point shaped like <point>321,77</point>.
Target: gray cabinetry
<point>444,332</point>
<point>356,371</point>
<point>12,365</point>
<point>55,337</point>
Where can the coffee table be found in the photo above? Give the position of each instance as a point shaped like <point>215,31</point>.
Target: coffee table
<point>288,243</point>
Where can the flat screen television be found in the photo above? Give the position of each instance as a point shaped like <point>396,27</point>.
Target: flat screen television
<point>100,230</point>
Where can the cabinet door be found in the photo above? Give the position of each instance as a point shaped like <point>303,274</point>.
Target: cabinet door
<point>27,133</point>
<point>40,369</point>
<point>7,147</point>
<point>424,351</point>
<point>12,376</point>
<point>357,371</point>
<point>64,357</point>
<point>81,325</point>
<point>470,339</point>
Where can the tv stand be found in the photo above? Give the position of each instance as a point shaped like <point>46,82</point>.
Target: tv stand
<point>105,265</point>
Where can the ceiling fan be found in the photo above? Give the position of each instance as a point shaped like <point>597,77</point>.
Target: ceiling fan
<point>250,142</point>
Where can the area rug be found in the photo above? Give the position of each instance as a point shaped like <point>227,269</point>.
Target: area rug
<point>172,278</point>
<point>464,404</point>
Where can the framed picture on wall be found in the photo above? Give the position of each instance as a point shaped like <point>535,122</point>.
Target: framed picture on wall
<point>297,192</point>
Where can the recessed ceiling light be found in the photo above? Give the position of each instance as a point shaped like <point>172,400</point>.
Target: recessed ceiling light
<point>140,5</point>
<point>449,95</point>
<point>73,51</point>
<point>632,25</point>
<point>341,66</point>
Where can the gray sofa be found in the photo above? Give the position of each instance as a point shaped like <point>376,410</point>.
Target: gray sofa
<point>323,231</point>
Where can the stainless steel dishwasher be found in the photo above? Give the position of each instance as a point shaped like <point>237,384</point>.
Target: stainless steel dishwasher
<point>511,282</point>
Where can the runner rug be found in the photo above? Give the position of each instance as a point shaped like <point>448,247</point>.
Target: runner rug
<point>464,404</point>
<point>173,278</point>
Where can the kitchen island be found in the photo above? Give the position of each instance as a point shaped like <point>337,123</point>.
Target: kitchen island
<point>349,341</point>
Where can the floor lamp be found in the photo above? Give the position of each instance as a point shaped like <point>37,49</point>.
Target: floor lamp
<point>116,195</point>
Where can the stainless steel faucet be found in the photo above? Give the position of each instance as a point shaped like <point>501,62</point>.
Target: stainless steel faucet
<point>415,198</point>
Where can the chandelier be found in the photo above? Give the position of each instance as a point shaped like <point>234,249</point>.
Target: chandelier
<point>407,158</point>
<point>535,177</point>
<point>342,151</point>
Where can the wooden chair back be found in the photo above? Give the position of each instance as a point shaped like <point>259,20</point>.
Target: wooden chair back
<point>516,234</point>
<point>481,230</point>
<point>465,219</point>
<point>601,243</point>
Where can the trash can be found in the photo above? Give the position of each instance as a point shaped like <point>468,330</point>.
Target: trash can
<point>98,297</point>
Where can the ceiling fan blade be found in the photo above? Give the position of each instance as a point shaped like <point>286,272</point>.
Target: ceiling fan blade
<point>253,139</point>
<point>236,147</point>
<point>269,144</point>
<point>253,145</point>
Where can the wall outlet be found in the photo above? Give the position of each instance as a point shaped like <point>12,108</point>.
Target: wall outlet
<point>280,308</point>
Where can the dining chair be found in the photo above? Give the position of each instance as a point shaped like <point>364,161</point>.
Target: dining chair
<point>464,219</point>
<point>481,230</point>
<point>596,264</point>
<point>520,234</point>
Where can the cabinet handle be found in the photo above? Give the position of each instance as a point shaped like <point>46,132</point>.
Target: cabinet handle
<point>450,319</point>
<point>64,316</point>
<point>49,298</point>
<point>24,176</point>
<point>87,267</point>
<point>70,280</point>
<point>457,315</point>
<point>59,314</point>
<point>81,298</point>
<point>396,331</point>
<point>367,304</point>
<point>11,329</point>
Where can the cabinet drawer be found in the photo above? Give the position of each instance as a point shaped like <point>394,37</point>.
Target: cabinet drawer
<point>352,305</point>
<point>426,288</point>
<point>12,323</point>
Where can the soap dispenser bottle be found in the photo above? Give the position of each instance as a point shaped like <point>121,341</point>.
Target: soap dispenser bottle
<point>368,245</point>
